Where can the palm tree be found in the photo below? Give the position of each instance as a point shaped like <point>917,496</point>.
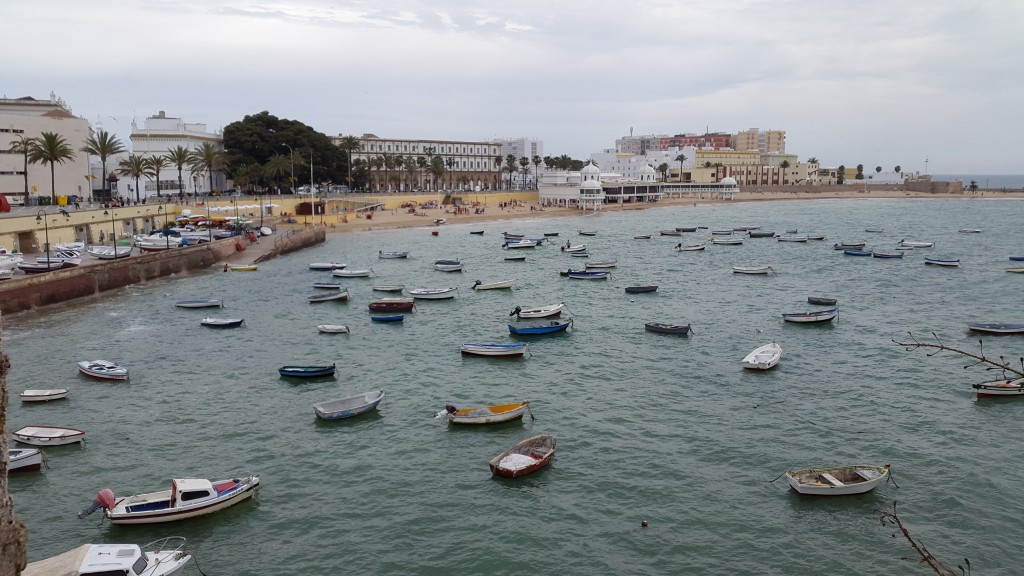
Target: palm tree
<point>681,158</point>
<point>898,169</point>
<point>536,168</point>
<point>155,165</point>
<point>104,145</point>
<point>510,167</point>
<point>449,162</point>
<point>411,168</point>
<point>134,167</point>
<point>50,148</point>
<point>23,146</point>
<point>663,168</point>
<point>278,168</point>
<point>436,169</point>
<point>812,160</point>
<point>350,144</point>
<point>878,169</point>
<point>208,158</point>
<point>421,166</point>
<point>387,162</point>
<point>179,156</point>
<point>841,174</point>
<point>783,165</point>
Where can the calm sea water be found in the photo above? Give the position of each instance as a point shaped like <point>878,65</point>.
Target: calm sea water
<point>650,427</point>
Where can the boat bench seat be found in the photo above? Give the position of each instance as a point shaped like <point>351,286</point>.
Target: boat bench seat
<point>867,475</point>
<point>832,479</point>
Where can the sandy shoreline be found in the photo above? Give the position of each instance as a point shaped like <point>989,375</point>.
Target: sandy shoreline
<point>385,219</point>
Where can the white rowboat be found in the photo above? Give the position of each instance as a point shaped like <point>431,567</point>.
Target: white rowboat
<point>49,435</point>
<point>501,285</point>
<point>333,329</point>
<point>44,395</point>
<point>348,407</point>
<point>763,357</point>
<point>837,480</point>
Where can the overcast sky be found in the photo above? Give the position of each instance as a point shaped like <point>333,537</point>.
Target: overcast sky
<point>851,82</point>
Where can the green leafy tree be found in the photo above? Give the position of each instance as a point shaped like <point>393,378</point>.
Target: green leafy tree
<point>23,146</point>
<point>208,158</point>
<point>860,172</point>
<point>878,169</point>
<point>155,165</point>
<point>257,137</point>
<point>50,148</point>
<point>898,169</point>
<point>179,157</point>
<point>104,145</point>
<point>841,174</point>
<point>134,167</point>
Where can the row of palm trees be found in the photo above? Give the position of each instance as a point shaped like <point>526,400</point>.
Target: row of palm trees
<point>52,149</point>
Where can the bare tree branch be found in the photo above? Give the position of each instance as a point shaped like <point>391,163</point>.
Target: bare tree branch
<point>938,346</point>
<point>926,556</point>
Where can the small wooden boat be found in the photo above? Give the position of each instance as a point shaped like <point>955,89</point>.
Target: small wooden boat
<point>970,230</point>
<point>348,407</point>
<point>515,258</point>
<point>763,357</point>
<point>187,498</point>
<point>326,266</point>
<point>913,244</point>
<point>340,273</point>
<point>24,460</point>
<point>580,255</point>
<point>159,558</point>
<point>550,311</point>
<point>439,221</point>
<point>44,395</point>
<point>691,247</point>
<point>663,328</point>
<point>641,289</point>
<point>388,287</point>
<point>588,275</point>
<point>602,264</point>
<point>340,295</point>
<point>727,241</point>
<point>1016,269</point>
<point>241,267</point>
<point>510,235</point>
<point>307,371</point>
<point>391,255</point>
<point>49,435</point>
<point>39,267</point>
<point>392,305</point>
<point>642,237</point>
<point>876,254</point>
<point>495,414</point>
<point>433,293</point>
<point>332,329</point>
<point>852,252</point>
<point>849,246</point>
<point>1000,388</point>
<point>500,285</point>
<point>574,247</point>
<point>477,232</point>
<point>199,303</point>
<point>792,238</point>
<point>539,327</point>
<point>992,328</point>
<point>761,270</point>
<point>722,232</point>
<point>525,457</point>
<point>826,315</point>
<point>904,248</point>
<point>221,322</point>
<point>837,480</point>
<point>1017,258</point>
<point>103,369</point>
<point>875,230</point>
<point>686,228</point>
<point>587,232</point>
<point>942,262</point>
<point>519,244</point>
<point>669,233</point>
<point>494,350</point>
<point>762,233</point>
<point>815,236</point>
<point>327,285</point>
<point>388,318</point>
<point>551,234</point>
<point>109,252</point>
<point>448,267</point>
<point>820,301</point>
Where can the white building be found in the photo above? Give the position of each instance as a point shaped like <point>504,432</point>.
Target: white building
<point>157,137</point>
<point>629,165</point>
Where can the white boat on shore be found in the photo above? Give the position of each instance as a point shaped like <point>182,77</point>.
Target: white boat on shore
<point>109,252</point>
<point>159,558</point>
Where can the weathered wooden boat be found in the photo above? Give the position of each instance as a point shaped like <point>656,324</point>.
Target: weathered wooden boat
<point>392,305</point>
<point>496,414</point>
<point>913,244</point>
<point>307,371</point>
<point>815,236</point>
<point>691,247</point>
<point>852,252</point>
<point>539,327</point>
<point>686,228</point>
<point>587,232</point>
<point>875,230</point>
<point>326,266</point>
<point>761,233</point>
<point>837,480</point>
<point>327,285</point>
<point>970,230</point>
<point>515,258</point>
<point>340,295</point>
<point>551,234</point>
<point>39,267</point>
<point>722,232</point>
<point>826,315</point>
<point>221,322</point>
<point>763,357</point>
<point>187,498</point>
<point>449,267</point>
<point>602,264</point>
<point>1016,269</point>
<point>1017,258</point>
<point>574,247</point>
<point>499,285</point>
<point>388,287</point>
<point>344,273</point>
<point>821,301</point>
<point>388,318</point>
<point>642,237</point>
<point>756,270</point>
<point>727,241</point>
<point>669,233</point>
<point>44,395</point>
<point>511,235</point>
<point>433,293</point>
<point>200,303</point>
<point>664,328</point>
<point>994,328</point>
<point>525,457</point>
<point>49,435</point>
<point>904,248</point>
<point>24,459</point>
<point>641,289</point>
<point>1000,388</point>
<point>477,232</point>
<point>348,407</point>
<point>549,311</point>
<point>849,246</point>
<point>588,275</point>
<point>332,329</point>
<point>109,252</point>
<point>159,558</point>
<point>391,255</point>
<point>876,254</point>
<point>494,350</point>
<point>580,255</point>
<point>800,238</point>
<point>104,369</point>
<point>943,262</point>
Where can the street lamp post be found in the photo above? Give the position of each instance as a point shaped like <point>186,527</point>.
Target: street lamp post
<point>195,185</point>
<point>113,231</point>
<point>209,223</point>
<point>167,240</point>
<point>41,216</point>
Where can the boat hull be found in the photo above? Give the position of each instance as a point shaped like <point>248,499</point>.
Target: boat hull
<point>494,350</point>
<point>496,414</point>
<point>809,317</point>
<point>1000,388</point>
<point>997,328</point>
<point>307,371</point>
<point>397,305</point>
<point>44,395</point>
<point>663,328</point>
<point>836,481</point>
<point>540,449</point>
<point>49,436</point>
<point>529,328</point>
<point>118,515</point>
<point>552,311</point>
<point>348,407</point>
<point>763,357</point>
<point>24,460</point>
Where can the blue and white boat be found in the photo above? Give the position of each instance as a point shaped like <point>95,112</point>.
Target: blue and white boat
<point>307,371</point>
<point>221,322</point>
<point>995,328</point>
<point>200,303</point>
<point>850,252</point>
<point>388,318</point>
<point>886,254</point>
<point>952,262</point>
<point>539,327</point>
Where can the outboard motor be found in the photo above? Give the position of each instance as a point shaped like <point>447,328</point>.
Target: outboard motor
<point>516,311</point>
<point>104,498</point>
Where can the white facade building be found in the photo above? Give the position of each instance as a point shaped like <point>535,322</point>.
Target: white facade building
<point>157,137</point>
<point>630,166</point>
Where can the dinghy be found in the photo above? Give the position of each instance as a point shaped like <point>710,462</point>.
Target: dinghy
<point>664,328</point>
<point>307,371</point>
<point>187,498</point>
<point>433,293</point>
<point>550,311</point>
<point>500,285</point>
<point>762,270</point>
<point>103,369</point>
<point>221,322</point>
<point>495,414</point>
<point>49,435</point>
<point>525,457</point>
<point>1000,388</point>
<point>340,295</point>
<point>392,305</point>
<point>332,329</point>
<point>44,395</point>
<point>158,558</point>
<point>837,480</point>
<point>200,303</point>
<point>24,460</point>
<point>365,273</point>
<point>815,316</point>
<point>494,350</point>
<point>763,357</point>
<point>348,407</point>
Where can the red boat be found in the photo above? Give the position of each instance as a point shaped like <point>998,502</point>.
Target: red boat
<point>524,458</point>
<point>392,305</point>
